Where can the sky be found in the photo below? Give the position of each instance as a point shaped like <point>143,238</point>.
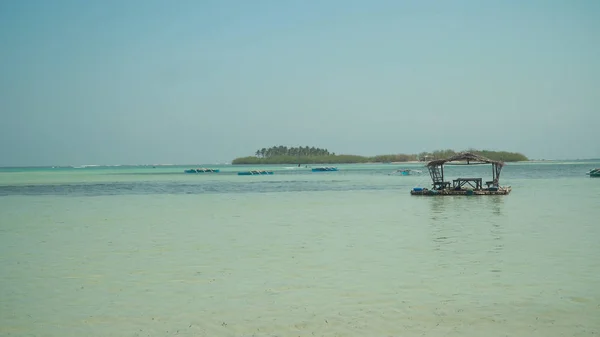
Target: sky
<point>168,82</point>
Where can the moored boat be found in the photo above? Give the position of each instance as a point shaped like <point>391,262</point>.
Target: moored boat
<point>324,169</point>
<point>595,173</point>
<point>254,172</point>
<point>407,172</point>
<point>202,170</point>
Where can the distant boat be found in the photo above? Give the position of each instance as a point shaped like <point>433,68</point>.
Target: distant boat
<point>324,169</point>
<point>254,172</point>
<point>407,172</point>
<point>202,170</point>
<point>595,173</point>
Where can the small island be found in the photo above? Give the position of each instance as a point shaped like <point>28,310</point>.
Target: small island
<point>312,155</point>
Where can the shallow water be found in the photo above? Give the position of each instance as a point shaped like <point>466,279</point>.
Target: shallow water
<point>140,252</point>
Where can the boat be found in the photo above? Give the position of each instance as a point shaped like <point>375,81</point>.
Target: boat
<point>254,172</point>
<point>202,170</point>
<point>324,169</point>
<point>407,172</point>
<point>595,173</point>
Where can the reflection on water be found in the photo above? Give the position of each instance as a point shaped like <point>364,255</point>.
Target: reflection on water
<point>442,206</point>
<point>455,234</point>
<point>496,203</point>
<point>438,208</point>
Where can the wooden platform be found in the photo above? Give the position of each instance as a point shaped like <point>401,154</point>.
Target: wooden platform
<point>427,192</point>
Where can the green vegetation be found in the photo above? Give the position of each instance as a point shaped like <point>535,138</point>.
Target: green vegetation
<point>302,151</point>
<point>311,155</point>
<point>330,159</point>
<point>493,155</point>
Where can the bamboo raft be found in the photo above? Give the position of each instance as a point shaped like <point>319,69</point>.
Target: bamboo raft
<point>428,192</point>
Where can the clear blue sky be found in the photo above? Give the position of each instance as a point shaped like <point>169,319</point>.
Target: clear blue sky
<point>146,81</point>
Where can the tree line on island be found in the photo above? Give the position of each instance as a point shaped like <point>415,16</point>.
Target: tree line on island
<point>313,155</point>
<point>303,151</point>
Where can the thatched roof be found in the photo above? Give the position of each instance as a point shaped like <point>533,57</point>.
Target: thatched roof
<point>469,157</point>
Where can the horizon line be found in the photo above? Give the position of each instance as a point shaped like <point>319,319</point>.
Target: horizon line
<point>229,163</point>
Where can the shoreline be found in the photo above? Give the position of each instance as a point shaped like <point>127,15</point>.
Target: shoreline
<point>330,164</point>
<point>382,163</point>
<point>312,156</point>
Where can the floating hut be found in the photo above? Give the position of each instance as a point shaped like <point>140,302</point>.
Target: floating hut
<point>254,172</point>
<point>202,170</point>
<point>463,186</point>
<point>324,169</point>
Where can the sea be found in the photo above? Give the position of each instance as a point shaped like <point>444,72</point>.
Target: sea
<point>153,251</point>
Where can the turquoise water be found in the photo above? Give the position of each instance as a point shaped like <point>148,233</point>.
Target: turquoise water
<point>150,251</point>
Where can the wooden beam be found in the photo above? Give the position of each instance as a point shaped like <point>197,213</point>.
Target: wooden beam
<point>456,164</point>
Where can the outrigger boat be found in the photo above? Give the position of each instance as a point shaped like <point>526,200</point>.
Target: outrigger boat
<point>595,173</point>
<point>407,172</point>
<point>254,172</point>
<point>324,169</point>
<point>202,170</point>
